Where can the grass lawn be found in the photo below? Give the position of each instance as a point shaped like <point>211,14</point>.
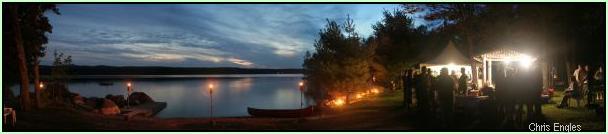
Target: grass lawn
<point>574,114</point>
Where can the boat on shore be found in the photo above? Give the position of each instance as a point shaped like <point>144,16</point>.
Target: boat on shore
<point>281,113</point>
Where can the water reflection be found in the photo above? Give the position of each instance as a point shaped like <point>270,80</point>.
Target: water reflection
<point>189,96</point>
<point>241,84</point>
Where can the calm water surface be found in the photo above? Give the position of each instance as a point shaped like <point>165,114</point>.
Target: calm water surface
<point>188,95</point>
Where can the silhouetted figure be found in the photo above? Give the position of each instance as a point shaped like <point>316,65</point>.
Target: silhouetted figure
<point>445,89</point>
<point>453,75</point>
<point>519,94</point>
<point>431,90</point>
<point>500,91</point>
<point>531,81</point>
<point>511,91</point>
<point>422,92</point>
<point>600,87</point>
<point>590,86</point>
<point>462,82</point>
<point>599,75</point>
<point>579,74</point>
<point>407,87</point>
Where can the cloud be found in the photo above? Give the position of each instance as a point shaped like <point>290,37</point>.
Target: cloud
<point>240,62</point>
<point>267,36</point>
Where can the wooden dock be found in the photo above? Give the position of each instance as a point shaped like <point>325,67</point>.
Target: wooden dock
<point>145,110</point>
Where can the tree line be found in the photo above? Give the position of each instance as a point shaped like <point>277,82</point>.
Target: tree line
<point>343,62</point>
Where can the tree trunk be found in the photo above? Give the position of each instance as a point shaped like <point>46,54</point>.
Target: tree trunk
<point>38,90</point>
<point>25,96</point>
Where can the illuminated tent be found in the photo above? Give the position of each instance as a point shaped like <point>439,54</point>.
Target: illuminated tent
<point>500,55</point>
<point>451,58</point>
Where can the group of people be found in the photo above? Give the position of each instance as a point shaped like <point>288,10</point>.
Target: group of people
<point>433,94</point>
<point>517,88</point>
<point>516,91</point>
<point>584,83</point>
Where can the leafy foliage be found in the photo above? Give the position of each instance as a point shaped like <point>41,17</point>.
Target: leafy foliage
<point>61,64</point>
<point>340,64</point>
<point>398,43</point>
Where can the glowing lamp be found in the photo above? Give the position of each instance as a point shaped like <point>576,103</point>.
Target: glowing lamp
<point>526,61</point>
<point>339,102</point>
<point>507,62</point>
<point>41,85</point>
<point>375,91</point>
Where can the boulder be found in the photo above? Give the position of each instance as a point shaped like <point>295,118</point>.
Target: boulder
<point>78,100</point>
<point>109,108</point>
<point>93,102</point>
<point>117,99</point>
<point>137,98</point>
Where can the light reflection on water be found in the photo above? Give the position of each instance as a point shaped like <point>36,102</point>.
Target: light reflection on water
<point>189,97</point>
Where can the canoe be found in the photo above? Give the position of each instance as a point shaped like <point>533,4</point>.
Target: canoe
<point>281,113</point>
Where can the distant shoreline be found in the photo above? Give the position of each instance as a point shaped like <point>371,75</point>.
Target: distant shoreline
<point>186,76</point>
<point>77,70</point>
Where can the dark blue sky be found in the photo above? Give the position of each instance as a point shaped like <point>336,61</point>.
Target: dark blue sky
<point>260,36</point>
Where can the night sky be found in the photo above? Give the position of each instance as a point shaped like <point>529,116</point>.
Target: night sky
<point>258,36</point>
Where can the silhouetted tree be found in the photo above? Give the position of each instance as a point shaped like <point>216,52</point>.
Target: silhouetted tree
<point>17,40</point>
<point>58,83</point>
<point>61,64</point>
<point>34,29</point>
<point>398,41</point>
<point>28,26</point>
<point>340,63</point>
<point>464,19</point>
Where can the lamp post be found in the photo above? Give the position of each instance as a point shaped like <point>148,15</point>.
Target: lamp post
<point>301,94</point>
<point>129,89</point>
<point>372,82</point>
<point>211,103</point>
<point>41,85</point>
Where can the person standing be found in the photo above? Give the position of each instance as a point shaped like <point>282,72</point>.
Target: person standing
<point>422,96</point>
<point>599,81</point>
<point>407,88</point>
<point>577,74</point>
<point>462,82</point>
<point>445,90</point>
<point>599,75</point>
<point>431,89</point>
<point>590,86</point>
<point>453,75</point>
<point>530,81</point>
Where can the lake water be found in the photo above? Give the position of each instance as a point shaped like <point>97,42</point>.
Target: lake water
<point>188,95</point>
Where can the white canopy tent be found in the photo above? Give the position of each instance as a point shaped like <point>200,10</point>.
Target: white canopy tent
<point>451,58</point>
<point>504,55</point>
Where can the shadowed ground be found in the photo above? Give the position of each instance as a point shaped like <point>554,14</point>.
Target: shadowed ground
<point>383,112</point>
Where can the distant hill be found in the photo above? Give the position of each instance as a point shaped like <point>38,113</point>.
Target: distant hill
<point>154,70</point>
